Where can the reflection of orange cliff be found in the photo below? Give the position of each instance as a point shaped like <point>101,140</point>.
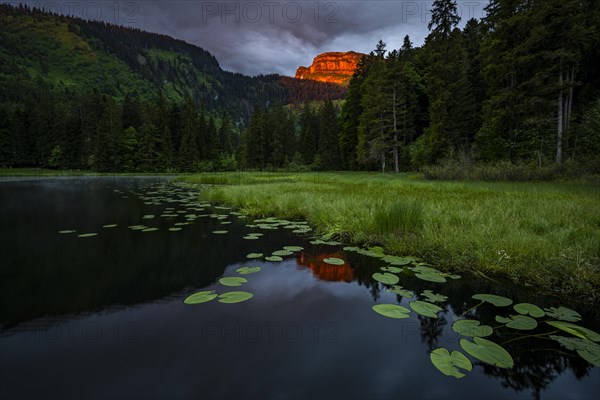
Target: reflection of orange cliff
<point>324,271</point>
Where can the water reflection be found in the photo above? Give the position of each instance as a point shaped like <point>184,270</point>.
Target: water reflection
<point>324,271</point>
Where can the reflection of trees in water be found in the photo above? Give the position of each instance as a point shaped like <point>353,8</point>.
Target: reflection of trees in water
<point>432,329</point>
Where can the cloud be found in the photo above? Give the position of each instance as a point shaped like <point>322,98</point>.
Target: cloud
<point>261,37</point>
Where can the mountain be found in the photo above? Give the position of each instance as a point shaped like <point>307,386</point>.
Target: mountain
<point>82,56</point>
<point>332,67</point>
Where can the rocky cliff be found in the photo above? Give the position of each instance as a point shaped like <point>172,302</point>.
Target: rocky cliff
<point>334,67</point>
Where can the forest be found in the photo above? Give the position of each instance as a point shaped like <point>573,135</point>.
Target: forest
<point>520,86</point>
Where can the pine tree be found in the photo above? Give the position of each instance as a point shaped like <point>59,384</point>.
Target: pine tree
<point>109,138</point>
<point>188,148</point>
<point>329,137</point>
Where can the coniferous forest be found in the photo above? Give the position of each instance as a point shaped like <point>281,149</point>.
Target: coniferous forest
<point>89,95</point>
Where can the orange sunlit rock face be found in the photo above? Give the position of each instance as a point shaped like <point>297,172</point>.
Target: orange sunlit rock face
<point>324,271</point>
<point>334,67</point>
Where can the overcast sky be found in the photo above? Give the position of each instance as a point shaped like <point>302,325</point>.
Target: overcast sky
<point>254,37</point>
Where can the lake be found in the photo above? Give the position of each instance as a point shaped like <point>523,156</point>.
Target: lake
<point>103,316</point>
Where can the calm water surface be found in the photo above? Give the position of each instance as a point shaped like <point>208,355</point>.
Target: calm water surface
<point>103,316</point>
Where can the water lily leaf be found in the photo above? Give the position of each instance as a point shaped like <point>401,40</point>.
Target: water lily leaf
<point>219,232</point>
<point>521,322</point>
<point>576,330</point>
<point>563,313</point>
<point>471,327</point>
<point>394,260</point>
<point>249,237</point>
<point>84,235</point>
<point>137,227</point>
<point>386,278</point>
<point>431,277</point>
<point>109,226</point>
<point>175,229</point>
<point>281,253</point>
<point>449,363</point>
<point>148,216</point>
<point>274,258</point>
<point>425,309</point>
<point>586,349</point>
<point>370,253</point>
<point>149,229</point>
<point>66,231</point>
<point>247,270</point>
<point>487,352</point>
<point>392,311</point>
<point>334,261</point>
<point>453,276</point>
<point>531,309</point>
<point>424,269</point>
<point>498,301</point>
<point>293,248</point>
<point>234,297</point>
<point>200,297</point>
<point>393,270</point>
<point>232,281</point>
<point>434,297</point>
<point>254,255</point>
<point>351,248</point>
<point>402,292</point>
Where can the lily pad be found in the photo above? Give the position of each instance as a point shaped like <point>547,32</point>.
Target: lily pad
<point>293,248</point>
<point>576,330</point>
<point>175,229</point>
<point>392,311</point>
<point>487,352</point>
<point>531,309</point>
<point>521,322</point>
<point>334,261</point>
<point>431,277</point>
<point>471,327</point>
<point>449,363</point>
<point>394,260</point>
<point>434,297</point>
<point>425,309</point>
<point>234,297</point>
<point>402,292</point>
<point>251,237</point>
<point>498,301</point>
<point>232,281</point>
<point>109,226</point>
<point>220,232</point>
<point>200,297</point>
<point>586,349</point>
<point>148,216</point>
<point>84,235</point>
<point>149,230</point>
<point>563,313</point>
<point>67,231</point>
<point>254,255</point>
<point>282,253</point>
<point>274,258</point>
<point>393,270</point>
<point>387,278</point>
<point>247,270</point>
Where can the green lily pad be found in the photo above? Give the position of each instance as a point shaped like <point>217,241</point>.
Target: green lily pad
<point>66,231</point>
<point>393,270</point>
<point>394,260</point>
<point>487,352</point>
<point>137,227</point>
<point>531,309</point>
<point>232,281</point>
<point>387,278</point>
<point>293,248</point>
<point>247,270</point>
<point>274,258</point>
<point>424,269</point>
<point>434,297</point>
<point>563,313</point>
<point>84,235</point>
<point>220,232</point>
<point>109,226</point>
<point>334,261</point>
<point>576,330</point>
<point>254,255</point>
<point>498,301</point>
<point>148,216</point>
<point>234,297</point>
<point>149,230</point>
<point>586,349</point>
<point>521,322</point>
<point>402,292</point>
<point>425,309</point>
<point>175,229</point>
<point>431,277</point>
<point>392,311</point>
<point>282,253</point>
<point>251,237</point>
<point>471,327</point>
<point>449,363</point>
<point>200,297</point>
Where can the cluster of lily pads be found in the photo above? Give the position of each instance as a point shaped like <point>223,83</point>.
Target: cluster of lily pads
<point>522,317</point>
<point>227,297</point>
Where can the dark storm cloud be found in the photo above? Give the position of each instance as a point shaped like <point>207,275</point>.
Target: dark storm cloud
<point>254,37</point>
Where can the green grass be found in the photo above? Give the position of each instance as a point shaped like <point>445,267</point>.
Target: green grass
<point>543,234</point>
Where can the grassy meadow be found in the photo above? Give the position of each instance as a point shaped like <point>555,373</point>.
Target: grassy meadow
<point>541,234</point>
